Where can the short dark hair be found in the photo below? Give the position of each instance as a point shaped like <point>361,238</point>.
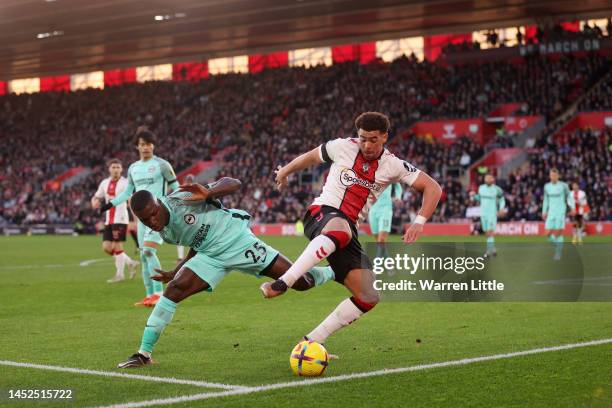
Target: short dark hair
<point>370,121</point>
<point>140,200</point>
<point>555,170</point>
<point>113,161</point>
<point>145,134</point>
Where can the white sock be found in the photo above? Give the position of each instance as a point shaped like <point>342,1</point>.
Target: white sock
<point>181,251</point>
<point>344,314</point>
<point>127,258</point>
<point>317,250</point>
<point>120,264</point>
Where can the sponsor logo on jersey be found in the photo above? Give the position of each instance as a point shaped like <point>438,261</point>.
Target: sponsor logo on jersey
<point>348,177</point>
<point>189,219</point>
<point>200,236</point>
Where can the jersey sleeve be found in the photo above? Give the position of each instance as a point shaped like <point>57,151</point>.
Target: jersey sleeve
<point>501,204</point>
<point>569,197</point>
<point>404,172</point>
<point>168,173</point>
<point>125,194</point>
<point>100,191</point>
<point>328,152</point>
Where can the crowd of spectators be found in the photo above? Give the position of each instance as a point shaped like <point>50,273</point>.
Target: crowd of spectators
<point>582,156</point>
<point>543,33</point>
<point>268,117</point>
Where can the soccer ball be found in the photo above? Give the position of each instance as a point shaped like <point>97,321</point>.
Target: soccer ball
<point>308,359</point>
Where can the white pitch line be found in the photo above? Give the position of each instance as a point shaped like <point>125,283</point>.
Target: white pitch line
<point>169,380</point>
<point>420,367</point>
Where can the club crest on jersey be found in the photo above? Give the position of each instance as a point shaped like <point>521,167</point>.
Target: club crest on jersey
<point>189,218</point>
<point>365,167</point>
<point>348,177</point>
<point>151,169</point>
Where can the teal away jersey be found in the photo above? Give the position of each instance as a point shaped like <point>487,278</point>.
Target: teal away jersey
<point>491,199</point>
<point>557,197</point>
<point>151,175</point>
<point>206,227</point>
<point>385,199</point>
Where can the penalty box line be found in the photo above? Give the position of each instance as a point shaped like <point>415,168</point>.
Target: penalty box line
<point>169,380</point>
<point>367,374</point>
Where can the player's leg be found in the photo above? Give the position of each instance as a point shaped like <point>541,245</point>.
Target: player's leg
<point>360,282</point>
<point>558,242</point>
<point>185,283</point>
<point>144,268</point>
<point>316,276</point>
<point>384,222</point>
<point>149,249</point>
<point>328,232</point>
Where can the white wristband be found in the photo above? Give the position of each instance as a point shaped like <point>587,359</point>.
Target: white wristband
<point>420,220</point>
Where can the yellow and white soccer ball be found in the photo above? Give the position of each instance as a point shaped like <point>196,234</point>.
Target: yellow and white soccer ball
<point>308,359</point>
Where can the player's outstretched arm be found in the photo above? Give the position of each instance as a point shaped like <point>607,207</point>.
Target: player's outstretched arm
<point>431,191</point>
<point>222,187</point>
<point>300,163</point>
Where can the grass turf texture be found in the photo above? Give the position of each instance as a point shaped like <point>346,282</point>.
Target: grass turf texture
<point>59,313</point>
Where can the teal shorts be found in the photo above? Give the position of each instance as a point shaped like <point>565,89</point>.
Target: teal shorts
<point>247,254</point>
<point>380,220</point>
<point>555,222</point>
<point>146,234</point>
<point>488,223</point>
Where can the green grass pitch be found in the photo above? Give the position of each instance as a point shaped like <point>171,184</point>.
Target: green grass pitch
<point>59,313</point>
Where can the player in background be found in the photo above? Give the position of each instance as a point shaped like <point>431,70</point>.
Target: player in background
<point>153,174</point>
<point>492,204</point>
<point>361,168</point>
<point>115,221</point>
<point>581,211</point>
<point>557,198</point>
<point>180,250</point>
<point>381,215</point>
<point>220,241</point>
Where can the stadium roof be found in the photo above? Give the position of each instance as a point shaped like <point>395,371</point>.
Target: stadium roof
<point>48,37</point>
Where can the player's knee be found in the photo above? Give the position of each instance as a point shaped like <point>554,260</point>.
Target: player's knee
<point>340,237</point>
<point>366,301</point>
<point>148,253</point>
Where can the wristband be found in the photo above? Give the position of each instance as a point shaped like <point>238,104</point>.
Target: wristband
<point>420,220</point>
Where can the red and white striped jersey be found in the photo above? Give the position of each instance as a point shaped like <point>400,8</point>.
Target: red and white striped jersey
<point>353,183</point>
<point>580,202</point>
<point>109,189</point>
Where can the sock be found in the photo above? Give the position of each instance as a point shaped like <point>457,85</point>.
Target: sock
<point>152,264</point>
<point>552,238</point>
<point>322,275</point>
<point>134,236</point>
<point>490,245</point>
<point>559,245</point>
<point>119,263</point>
<point>381,250</point>
<point>126,258</point>
<point>345,313</point>
<point>158,320</point>
<point>317,250</point>
<point>146,279</point>
<point>180,250</point>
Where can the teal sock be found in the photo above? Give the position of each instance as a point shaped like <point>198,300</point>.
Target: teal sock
<point>552,238</point>
<point>490,245</point>
<point>146,279</point>
<point>559,244</point>
<point>160,317</point>
<point>322,275</point>
<point>152,264</point>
